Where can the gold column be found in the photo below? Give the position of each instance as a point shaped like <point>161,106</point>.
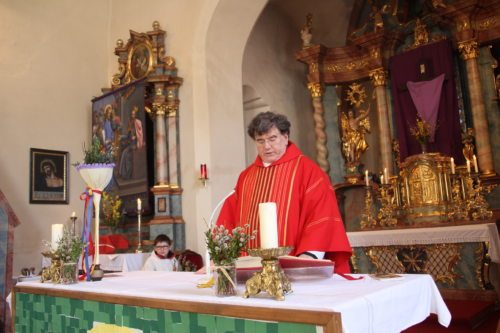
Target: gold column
<point>470,52</point>
<point>316,90</point>
<point>378,77</point>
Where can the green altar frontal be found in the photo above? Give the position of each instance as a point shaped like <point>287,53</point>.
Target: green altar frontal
<point>43,313</point>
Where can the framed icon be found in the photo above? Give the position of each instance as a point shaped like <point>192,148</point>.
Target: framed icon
<point>48,176</point>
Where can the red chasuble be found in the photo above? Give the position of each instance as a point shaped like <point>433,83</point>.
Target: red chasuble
<point>308,215</point>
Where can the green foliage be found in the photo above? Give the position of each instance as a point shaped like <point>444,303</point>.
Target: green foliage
<point>97,154</point>
<point>225,246</point>
<point>111,209</point>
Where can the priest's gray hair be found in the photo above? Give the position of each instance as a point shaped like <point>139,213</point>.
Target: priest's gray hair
<point>264,121</point>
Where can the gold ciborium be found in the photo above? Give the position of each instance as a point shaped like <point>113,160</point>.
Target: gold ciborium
<point>271,278</point>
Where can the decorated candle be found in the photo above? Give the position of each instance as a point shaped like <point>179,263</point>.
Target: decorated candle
<point>452,161</point>
<point>268,225</point>
<point>367,181</point>
<point>474,161</point>
<point>57,233</point>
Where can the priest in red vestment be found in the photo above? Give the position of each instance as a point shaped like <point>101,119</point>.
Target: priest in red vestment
<point>308,214</point>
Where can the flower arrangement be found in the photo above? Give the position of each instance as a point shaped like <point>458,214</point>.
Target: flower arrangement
<point>226,246</point>
<point>421,131</point>
<point>111,209</point>
<point>69,247</point>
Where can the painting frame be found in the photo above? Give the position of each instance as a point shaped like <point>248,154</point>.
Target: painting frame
<point>48,176</point>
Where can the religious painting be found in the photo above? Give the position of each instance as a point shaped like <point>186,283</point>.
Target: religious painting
<point>119,121</point>
<point>48,176</point>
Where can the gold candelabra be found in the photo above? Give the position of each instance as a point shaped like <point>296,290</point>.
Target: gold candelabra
<point>386,214</point>
<point>271,278</point>
<point>367,219</point>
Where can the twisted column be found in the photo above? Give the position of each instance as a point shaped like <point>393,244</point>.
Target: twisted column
<point>378,77</point>
<point>470,52</point>
<point>316,91</point>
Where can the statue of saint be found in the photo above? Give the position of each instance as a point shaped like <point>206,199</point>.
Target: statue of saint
<point>353,136</point>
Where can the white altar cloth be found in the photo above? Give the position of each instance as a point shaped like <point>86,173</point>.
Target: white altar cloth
<point>123,262</point>
<point>366,305</point>
<point>485,232</point>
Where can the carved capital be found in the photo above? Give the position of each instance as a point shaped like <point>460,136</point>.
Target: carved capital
<point>378,77</point>
<point>313,67</point>
<point>468,49</point>
<point>315,88</point>
<point>159,109</point>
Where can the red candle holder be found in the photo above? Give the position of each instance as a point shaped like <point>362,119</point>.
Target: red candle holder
<point>203,174</point>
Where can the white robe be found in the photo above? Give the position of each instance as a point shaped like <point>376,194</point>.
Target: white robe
<point>155,263</point>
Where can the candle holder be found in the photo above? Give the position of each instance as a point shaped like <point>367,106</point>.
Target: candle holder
<point>204,181</point>
<point>271,278</point>
<point>387,212</point>
<point>73,221</point>
<point>139,245</point>
<point>367,219</point>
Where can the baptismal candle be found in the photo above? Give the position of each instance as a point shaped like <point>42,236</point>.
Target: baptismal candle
<point>57,233</point>
<point>367,181</point>
<point>452,161</point>
<point>474,161</point>
<point>268,225</point>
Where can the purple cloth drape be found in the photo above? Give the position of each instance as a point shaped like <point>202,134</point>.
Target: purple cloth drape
<point>426,96</point>
<point>404,67</point>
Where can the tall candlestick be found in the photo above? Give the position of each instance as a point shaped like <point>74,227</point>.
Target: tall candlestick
<point>139,245</point>
<point>268,225</point>
<point>452,161</point>
<point>57,233</point>
<point>468,166</point>
<point>474,160</point>
<point>367,181</point>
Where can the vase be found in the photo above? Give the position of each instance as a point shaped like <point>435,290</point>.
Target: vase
<point>423,145</point>
<point>69,273</point>
<point>97,273</point>
<point>225,280</point>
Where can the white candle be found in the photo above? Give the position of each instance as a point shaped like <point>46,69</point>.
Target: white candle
<point>268,225</point>
<point>367,181</point>
<point>474,160</point>
<point>139,204</point>
<point>208,269</point>
<point>57,233</point>
<point>452,166</point>
<point>382,179</point>
<point>468,166</point>
<point>386,175</point>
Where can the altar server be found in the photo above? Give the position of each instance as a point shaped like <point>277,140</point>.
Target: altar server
<point>162,258</point>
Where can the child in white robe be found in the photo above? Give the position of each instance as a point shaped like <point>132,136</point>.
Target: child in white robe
<point>162,258</point>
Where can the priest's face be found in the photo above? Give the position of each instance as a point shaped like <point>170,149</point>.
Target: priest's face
<point>271,145</point>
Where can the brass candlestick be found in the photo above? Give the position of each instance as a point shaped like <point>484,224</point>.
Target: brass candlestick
<point>139,245</point>
<point>386,214</point>
<point>367,220</point>
<point>271,278</point>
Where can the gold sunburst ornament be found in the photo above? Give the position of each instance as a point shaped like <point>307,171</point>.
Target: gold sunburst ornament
<point>356,94</point>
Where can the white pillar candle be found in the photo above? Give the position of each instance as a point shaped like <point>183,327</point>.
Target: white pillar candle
<point>452,161</point>
<point>367,181</point>
<point>268,225</point>
<point>57,233</point>
<point>139,204</point>
<point>474,160</point>
<point>468,166</point>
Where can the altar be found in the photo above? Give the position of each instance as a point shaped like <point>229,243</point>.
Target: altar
<point>171,302</point>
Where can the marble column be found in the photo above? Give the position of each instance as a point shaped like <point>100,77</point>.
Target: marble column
<point>378,77</point>
<point>159,110</point>
<point>470,52</point>
<point>316,91</point>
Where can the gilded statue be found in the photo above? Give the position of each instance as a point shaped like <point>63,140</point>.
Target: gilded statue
<point>468,142</point>
<point>353,136</point>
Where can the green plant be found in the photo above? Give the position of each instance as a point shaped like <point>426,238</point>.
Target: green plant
<point>97,154</point>
<point>69,247</point>
<point>225,246</point>
<point>111,209</point>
